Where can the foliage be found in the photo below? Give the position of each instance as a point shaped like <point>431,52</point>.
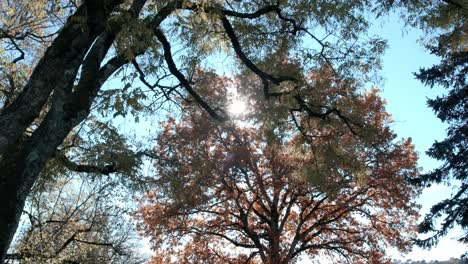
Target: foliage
<point>25,31</point>
<point>452,151</point>
<point>58,59</point>
<point>450,261</point>
<point>72,220</point>
<point>257,190</point>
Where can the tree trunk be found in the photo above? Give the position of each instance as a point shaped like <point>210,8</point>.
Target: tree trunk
<point>275,232</point>
<point>23,158</point>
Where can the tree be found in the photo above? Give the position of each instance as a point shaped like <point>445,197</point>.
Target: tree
<point>75,220</point>
<point>447,28</point>
<point>452,109</point>
<point>452,151</point>
<point>257,190</point>
<point>57,55</point>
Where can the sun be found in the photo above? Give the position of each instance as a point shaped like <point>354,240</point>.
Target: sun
<point>237,107</point>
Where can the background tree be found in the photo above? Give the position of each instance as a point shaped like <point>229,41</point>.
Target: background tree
<point>56,57</point>
<point>257,190</point>
<point>450,261</point>
<point>446,27</point>
<point>76,220</point>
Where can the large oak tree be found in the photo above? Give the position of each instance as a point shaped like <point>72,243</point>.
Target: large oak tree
<point>258,190</point>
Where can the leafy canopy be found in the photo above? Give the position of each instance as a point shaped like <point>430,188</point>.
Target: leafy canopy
<point>257,190</point>
<point>57,59</point>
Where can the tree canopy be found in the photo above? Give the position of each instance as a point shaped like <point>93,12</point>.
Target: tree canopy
<point>58,103</point>
<point>258,190</point>
<point>58,55</point>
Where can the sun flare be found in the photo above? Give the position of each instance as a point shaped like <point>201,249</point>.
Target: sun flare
<point>237,107</point>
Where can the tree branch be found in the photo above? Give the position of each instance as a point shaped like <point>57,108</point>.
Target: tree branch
<point>101,244</point>
<point>185,83</point>
<point>105,170</point>
<point>243,57</point>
